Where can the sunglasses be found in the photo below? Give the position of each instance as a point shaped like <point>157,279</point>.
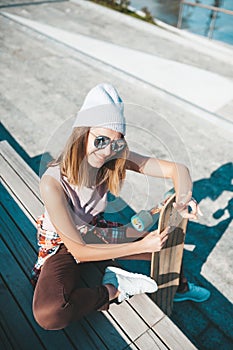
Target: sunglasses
<point>102,142</point>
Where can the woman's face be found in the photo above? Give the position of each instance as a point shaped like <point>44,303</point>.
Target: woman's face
<point>97,157</point>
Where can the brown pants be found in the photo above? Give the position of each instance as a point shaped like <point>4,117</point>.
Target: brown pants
<point>59,297</point>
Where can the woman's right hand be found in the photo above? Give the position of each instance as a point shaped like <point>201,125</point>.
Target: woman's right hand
<point>154,242</point>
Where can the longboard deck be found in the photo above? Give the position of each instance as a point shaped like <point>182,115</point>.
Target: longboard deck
<point>166,264</point>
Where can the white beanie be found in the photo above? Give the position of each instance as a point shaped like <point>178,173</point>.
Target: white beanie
<point>102,107</point>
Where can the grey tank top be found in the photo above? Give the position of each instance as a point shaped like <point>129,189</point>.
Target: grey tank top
<point>85,202</point>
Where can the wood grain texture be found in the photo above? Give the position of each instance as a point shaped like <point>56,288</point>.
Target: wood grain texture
<point>166,264</point>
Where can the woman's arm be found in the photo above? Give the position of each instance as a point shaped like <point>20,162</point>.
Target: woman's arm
<point>59,212</point>
<point>178,173</point>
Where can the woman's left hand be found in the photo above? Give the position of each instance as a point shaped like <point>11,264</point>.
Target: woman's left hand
<point>183,204</point>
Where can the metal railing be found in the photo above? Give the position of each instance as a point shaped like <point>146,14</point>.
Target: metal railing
<point>214,10</point>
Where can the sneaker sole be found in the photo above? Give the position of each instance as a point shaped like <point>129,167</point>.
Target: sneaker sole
<point>191,299</point>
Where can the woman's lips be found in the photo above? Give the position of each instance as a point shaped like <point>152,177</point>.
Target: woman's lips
<point>102,159</point>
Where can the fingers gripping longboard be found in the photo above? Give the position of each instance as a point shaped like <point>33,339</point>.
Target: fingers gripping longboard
<point>166,264</point>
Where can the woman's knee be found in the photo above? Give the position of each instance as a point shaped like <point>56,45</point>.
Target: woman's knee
<point>53,316</point>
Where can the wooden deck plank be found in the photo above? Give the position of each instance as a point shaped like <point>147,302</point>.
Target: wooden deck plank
<point>4,340</point>
<point>18,217</point>
<point>150,341</point>
<point>15,325</point>
<point>130,321</point>
<point>20,190</point>
<point>131,347</point>
<point>84,336</point>
<point>22,169</point>
<point>172,336</point>
<point>143,305</point>
<point>21,291</point>
<point>109,331</point>
<point>18,245</point>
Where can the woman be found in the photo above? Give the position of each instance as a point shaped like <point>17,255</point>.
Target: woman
<point>74,190</point>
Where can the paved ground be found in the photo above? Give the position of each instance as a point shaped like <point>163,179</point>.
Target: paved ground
<point>44,79</point>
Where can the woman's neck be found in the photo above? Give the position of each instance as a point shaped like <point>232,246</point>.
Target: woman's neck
<point>92,176</point>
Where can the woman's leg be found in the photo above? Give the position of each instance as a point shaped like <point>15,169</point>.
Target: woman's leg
<point>59,298</point>
<point>183,282</point>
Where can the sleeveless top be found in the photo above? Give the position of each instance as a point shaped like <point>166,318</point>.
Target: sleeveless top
<point>85,203</point>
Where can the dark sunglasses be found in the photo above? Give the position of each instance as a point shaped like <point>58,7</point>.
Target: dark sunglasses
<point>101,142</point>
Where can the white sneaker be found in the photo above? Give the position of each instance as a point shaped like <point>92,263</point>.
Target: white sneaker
<point>128,283</point>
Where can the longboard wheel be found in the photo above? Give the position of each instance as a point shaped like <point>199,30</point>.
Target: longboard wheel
<point>142,220</point>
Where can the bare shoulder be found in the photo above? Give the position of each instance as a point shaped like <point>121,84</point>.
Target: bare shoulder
<point>50,186</point>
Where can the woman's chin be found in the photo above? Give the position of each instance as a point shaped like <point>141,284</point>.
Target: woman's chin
<point>95,162</point>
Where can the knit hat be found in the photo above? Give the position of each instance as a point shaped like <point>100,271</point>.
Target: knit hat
<point>102,107</point>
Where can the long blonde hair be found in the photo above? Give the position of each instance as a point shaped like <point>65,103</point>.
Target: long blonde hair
<point>73,164</point>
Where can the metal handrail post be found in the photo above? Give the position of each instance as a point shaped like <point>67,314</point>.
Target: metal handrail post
<point>179,23</point>
<point>212,25</point>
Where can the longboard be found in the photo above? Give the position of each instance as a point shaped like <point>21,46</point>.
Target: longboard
<point>166,264</point>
